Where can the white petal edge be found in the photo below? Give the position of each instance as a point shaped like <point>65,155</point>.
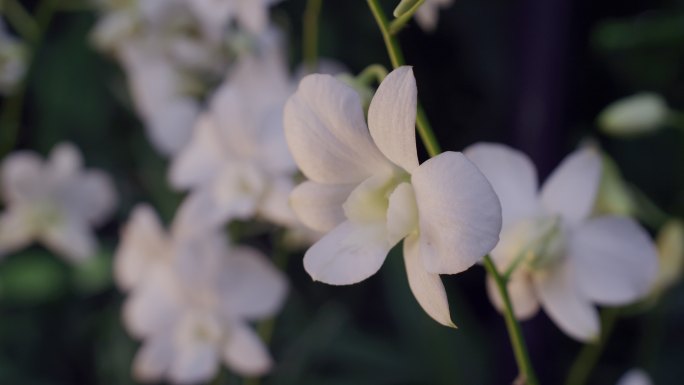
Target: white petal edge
<point>250,286</point>
<point>327,135</point>
<point>392,118</point>
<point>348,254</point>
<point>571,189</point>
<point>565,304</point>
<point>426,287</point>
<point>511,174</point>
<point>142,240</point>
<point>245,353</point>
<point>521,293</point>
<point>200,160</point>
<point>153,359</point>
<point>16,231</point>
<point>71,238</point>
<point>402,213</point>
<point>459,213</point>
<point>21,175</point>
<point>319,206</point>
<point>635,377</point>
<point>616,260</point>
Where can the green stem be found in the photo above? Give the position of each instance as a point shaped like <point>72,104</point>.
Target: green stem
<point>397,59</point>
<point>400,22</point>
<point>10,117</point>
<point>374,72</point>
<point>647,211</point>
<point>591,353</point>
<point>514,330</point>
<point>21,20</point>
<point>310,33</point>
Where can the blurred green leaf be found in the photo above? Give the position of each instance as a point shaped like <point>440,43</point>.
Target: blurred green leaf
<point>32,277</point>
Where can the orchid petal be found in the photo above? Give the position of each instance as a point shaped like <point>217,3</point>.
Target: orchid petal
<point>392,118</point>
<point>616,259</point>
<point>21,176</point>
<point>65,160</point>
<point>565,303</point>
<point>402,213</point>
<point>521,293</point>
<point>142,240</point>
<point>348,254</point>
<point>511,174</point>
<point>153,359</point>
<point>459,213</point>
<point>571,189</point>
<point>426,287</point>
<point>194,364</point>
<point>16,230</point>
<point>153,305</point>
<point>327,135</point>
<point>93,196</point>
<point>201,159</point>
<point>244,352</point>
<point>249,286</point>
<point>319,206</point>
<point>70,238</point>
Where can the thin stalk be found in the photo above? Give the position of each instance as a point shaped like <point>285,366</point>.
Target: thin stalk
<point>397,59</point>
<point>21,20</point>
<point>10,116</point>
<point>513,327</point>
<point>312,13</point>
<point>372,72</point>
<point>400,22</point>
<point>591,353</point>
<point>432,146</point>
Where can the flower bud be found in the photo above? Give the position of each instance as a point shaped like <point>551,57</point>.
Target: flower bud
<point>403,7</point>
<point>670,244</point>
<point>614,197</point>
<point>637,114</point>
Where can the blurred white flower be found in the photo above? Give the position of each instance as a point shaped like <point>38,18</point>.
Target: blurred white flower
<point>191,300</point>
<point>12,60</point>
<point>637,114</point>
<point>428,13</point>
<point>157,89</point>
<point>54,202</point>
<point>216,15</point>
<point>237,164</point>
<point>368,192</point>
<point>559,257</point>
<point>169,63</point>
<point>635,377</point>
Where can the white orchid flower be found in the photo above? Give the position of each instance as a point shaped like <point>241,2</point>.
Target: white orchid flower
<point>190,301</point>
<point>368,192</point>
<point>560,258</point>
<point>54,202</point>
<point>237,164</point>
<point>635,377</point>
